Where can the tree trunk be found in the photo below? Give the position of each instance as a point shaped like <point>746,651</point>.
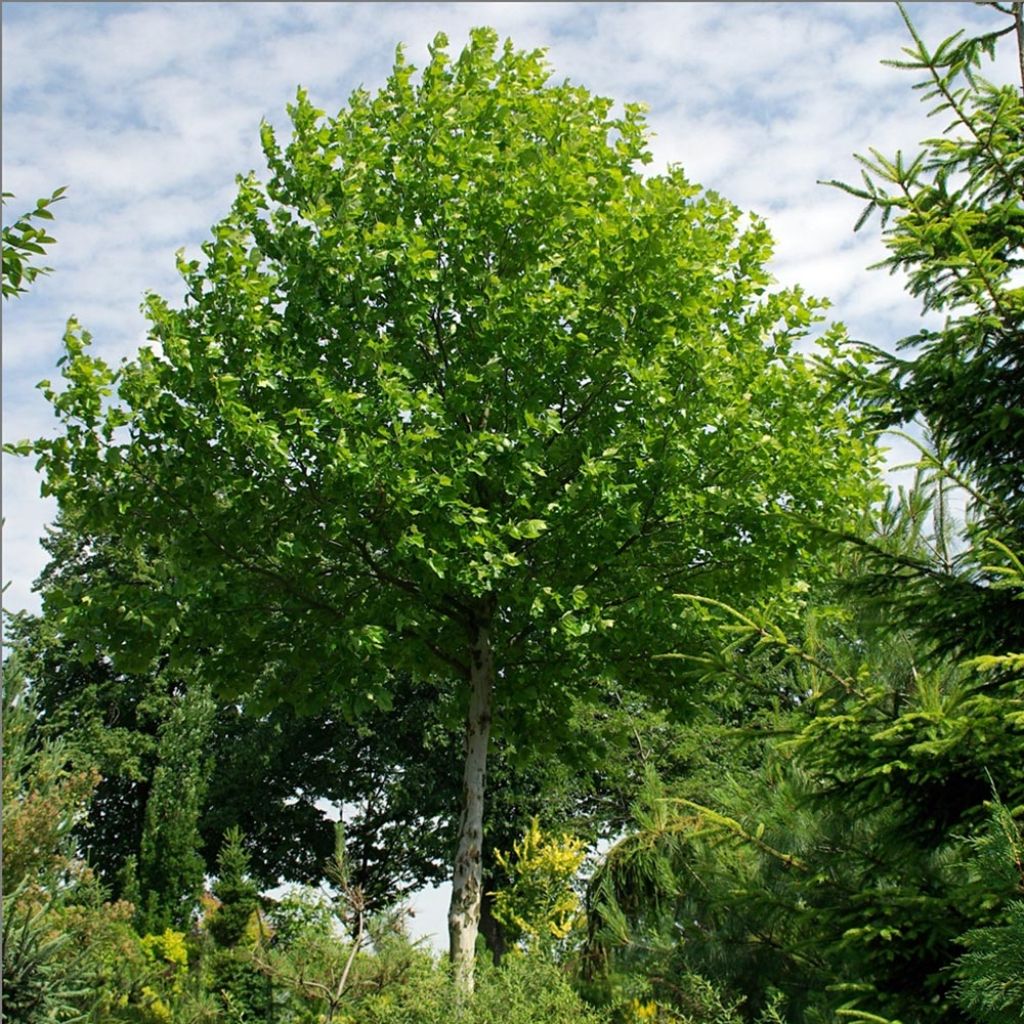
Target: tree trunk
<point>492,929</point>
<point>467,881</point>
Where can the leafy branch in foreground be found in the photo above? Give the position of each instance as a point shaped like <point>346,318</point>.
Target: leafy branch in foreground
<point>22,242</point>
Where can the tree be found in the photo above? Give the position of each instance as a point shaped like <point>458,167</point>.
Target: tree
<point>170,868</point>
<point>458,395</point>
<point>991,972</point>
<point>837,869</point>
<point>953,220</point>
<point>236,926</point>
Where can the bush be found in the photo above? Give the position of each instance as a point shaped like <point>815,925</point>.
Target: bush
<point>525,989</point>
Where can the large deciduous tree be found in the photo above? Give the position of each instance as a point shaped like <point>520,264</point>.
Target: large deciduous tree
<point>458,394</point>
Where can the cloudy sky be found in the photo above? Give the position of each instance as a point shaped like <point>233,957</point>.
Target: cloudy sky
<point>147,111</point>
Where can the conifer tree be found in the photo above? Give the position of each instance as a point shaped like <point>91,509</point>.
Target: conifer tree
<point>953,221</point>
<point>237,894</point>
<point>236,925</point>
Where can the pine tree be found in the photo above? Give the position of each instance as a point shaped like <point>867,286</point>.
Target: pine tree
<point>991,972</point>
<point>237,893</point>
<point>953,221</point>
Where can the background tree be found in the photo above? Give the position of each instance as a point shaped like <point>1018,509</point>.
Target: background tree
<point>395,773</point>
<point>170,868</point>
<point>459,394</point>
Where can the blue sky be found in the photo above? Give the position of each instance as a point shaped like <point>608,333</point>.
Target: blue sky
<point>146,112</point>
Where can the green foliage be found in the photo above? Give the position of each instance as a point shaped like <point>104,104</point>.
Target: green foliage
<point>538,903</point>
<point>109,720</point>
<point>836,871</point>
<point>523,408</point>
<point>957,230</point>
<point>691,999</point>
<point>40,985</point>
<point>315,963</point>
<point>66,951</point>
<point>991,987</point>
<point>841,870</point>
<point>22,241</point>
<point>391,980</point>
<point>244,771</point>
<point>237,893</point>
<point>525,989</point>
<point>44,798</point>
<point>236,926</point>
<point>170,868</point>
<point>991,972</point>
<point>953,221</point>
<point>457,370</point>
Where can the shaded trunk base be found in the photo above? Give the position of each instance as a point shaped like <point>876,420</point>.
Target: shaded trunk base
<point>492,929</point>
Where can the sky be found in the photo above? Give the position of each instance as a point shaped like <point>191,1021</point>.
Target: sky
<point>147,111</point>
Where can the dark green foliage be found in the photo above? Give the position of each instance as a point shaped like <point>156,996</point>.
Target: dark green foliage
<point>147,737</point>
<point>835,870</point>
<point>237,893</point>
<point>991,988</point>
<point>957,229</point>
<point>111,721</point>
<point>264,773</point>
<point>991,972</point>
<point>235,925</point>
<point>170,868</point>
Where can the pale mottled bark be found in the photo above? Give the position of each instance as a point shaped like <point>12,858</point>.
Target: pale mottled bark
<point>467,881</point>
